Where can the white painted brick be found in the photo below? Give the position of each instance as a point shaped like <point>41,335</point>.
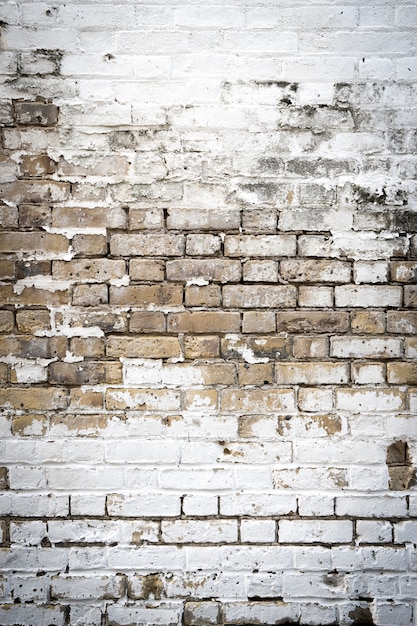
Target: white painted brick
<point>390,613</point>
<point>368,296</point>
<point>405,532</point>
<point>263,558</point>
<point>301,584</point>
<point>26,614</point>
<point>27,533</point>
<point>370,272</point>
<point>348,451</point>
<point>257,531</point>
<point>312,558</point>
<point>311,399</point>
<point>67,478</point>
<point>136,451</point>
<point>365,347</point>
<point>34,505</point>
<point>200,505</point>
<point>315,297</point>
<point>264,585</point>
<point>371,506</point>
<point>368,478</point>
<point>148,558</point>
<point>358,400</point>
<point>88,504</point>
<point>259,612</point>
<point>197,479</point>
<point>127,615</point>
<point>203,557</point>
<point>315,505</point>
<point>373,532</point>
<point>149,505</point>
<point>313,531</point>
<point>30,588</point>
<point>199,531</point>
<point>257,504</point>
<point>22,559</point>
<point>368,373</point>
<point>87,587</point>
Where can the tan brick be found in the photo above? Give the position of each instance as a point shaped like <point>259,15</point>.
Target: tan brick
<point>29,347</point>
<point>256,374</point>
<point>259,296</point>
<point>200,399</point>
<point>404,271</point>
<point>260,271</point>
<point>214,270</point>
<point>4,373</point>
<point>76,217</point>
<point>29,425</point>
<point>411,348</point>
<point>402,373</point>
<point>366,296</point>
<point>368,322</point>
<point>410,297</point>
<point>258,321</point>
<point>95,317</point>
<point>315,271</point>
<point>312,321</point>
<point>32,320</point>
<point>90,295</point>
<point>202,245</point>
<point>89,245</point>
<point>203,219</point>
<point>143,347</point>
<point>35,191</point>
<point>8,216</point>
<point>31,295</point>
<point>90,192</point>
<point>310,347</point>
<point>146,219</point>
<point>87,346</point>
<point>6,321</point>
<point>207,296</point>
<point>7,271</point>
<point>259,220</point>
<point>317,373</point>
<point>80,425</point>
<point>254,348</point>
<point>33,243</point>
<point>257,400</point>
<point>147,245</point>
<point>201,347</point>
<point>143,295</point>
<point>35,113</point>
<point>147,322</point>
<point>35,215</point>
<point>259,245</point>
<point>147,270</point>
<point>97,270</point>
<point>403,322</point>
<point>4,481</point>
<point>85,399</point>
<point>85,373</point>
<point>143,399</point>
<point>34,398</point>
<point>204,322</point>
<point>40,165</point>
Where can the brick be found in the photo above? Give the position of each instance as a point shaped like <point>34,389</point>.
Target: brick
<point>315,297</point>
<point>258,321</point>
<point>312,321</point>
<point>201,612</point>
<point>365,347</point>
<point>25,269</point>
<point>403,322</point>
<point>310,347</point>
<point>144,295</point>
<point>87,588</point>
<point>150,505</point>
<point>410,297</point>
<point>199,531</point>
<point>256,374</point>
<point>370,272</point>
<point>204,322</point>
<point>146,219</point>
<point>29,425</point>
<point>35,216</point>
<point>42,244</point>
<point>6,321</point>
<point>264,612</point>
<point>35,191</point>
<point>259,220</point>
<point>35,113</point>
<point>403,271</point>
<point>34,399</point>
<point>369,400</point>
<point>201,346</point>
<point>364,296</point>
<point>97,270</point>
<point>371,506</point>
<point>207,296</point>
<point>147,245</point>
<point>76,217</point>
<point>402,373</point>
<point>260,296</point>
<point>311,373</point>
<point>90,295</point>
<point>87,346</point>
<point>202,245</point>
<point>411,348</point>
<point>368,373</point>
<point>89,245</point>
<point>256,505</point>
<point>143,347</point>
<point>259,245</point>
<point>315,400</point>
<point>260,271</point>
<point>147,322</point>
<point>7,270</point>
<point>369,322</point>
<point>216,270</point>
<point>33,296</point>
<point>311,271</point>
<point>203,219</point>
<point>314,219</point>
<point>147,270</point>
<point>254,349</point>
<point>33,347</point>
<point>200,400</point>
<point>257,400</point>
<point>183,375</point>
<point>37,166</point>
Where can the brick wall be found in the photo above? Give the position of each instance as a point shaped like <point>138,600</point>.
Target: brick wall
<point>208,313</point>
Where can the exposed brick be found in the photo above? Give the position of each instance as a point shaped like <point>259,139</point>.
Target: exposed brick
<point>24,269</point>
<point>89,245</point>
<point>146,219</point>
<point>31,295</point>
<point>259,296</point>
<point>258,321</point>
<point>259,220</point>
<point>208,296</point>
<point>260,271</point>
<point>201,346</point>
<point>87,346</point>
<point>202,245</point>
<point>144,295</point>
<point>204,322</point>
<point>85,373</point>
<point>256,374</point>
<point>260,245</point>
<point>35,113</point>
<point>97,270</point>
<point>6,321</point>
<point>35,216</point>
<point>33,347</point>
<point>90,295</point>
<point>32,320</point>
<point>35,243</point>
<point>70,217</point>
<point>7,271</point>
<point>203,219</point>
<point>323,373</point>
<point>35,399</point>
<point>410,297</point>
<point>37,166</point>
<point>147,270</point>
<point>254,348</point>
<point>216,270</point>
<point>312,321</point>
<point>370,322</point>
<point>310,347</point>
<point>147,245</point>
<point>313,271</point>
<point>402,373</point>
<point>35,191</point>
<point>147,322</point>
<point>144,347</point>
<point>403,322</point>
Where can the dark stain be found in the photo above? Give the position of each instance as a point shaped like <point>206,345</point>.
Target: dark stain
<point>402,474</point>
<point>361,616</point>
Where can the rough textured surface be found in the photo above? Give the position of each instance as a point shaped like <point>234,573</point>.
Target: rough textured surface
<point>208,296</point>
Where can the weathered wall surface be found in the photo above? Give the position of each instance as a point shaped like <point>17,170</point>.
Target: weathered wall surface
<point>208,313</point>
